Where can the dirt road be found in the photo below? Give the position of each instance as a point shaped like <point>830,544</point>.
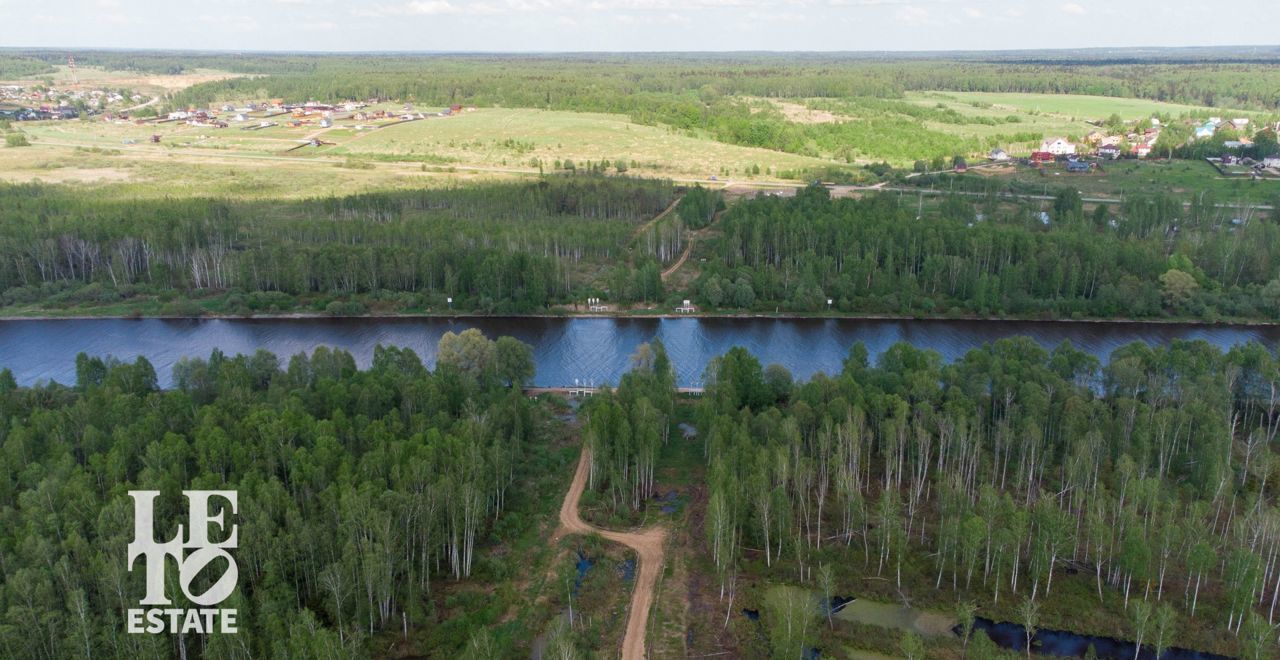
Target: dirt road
<point>648,546</point>
<point>684,256</point>
<point>688,248</point>
<point>641,229</point>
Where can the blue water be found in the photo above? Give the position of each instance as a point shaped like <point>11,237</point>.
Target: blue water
<point>588,350</point>
<point>1070,645</point>
<point>583,565</point>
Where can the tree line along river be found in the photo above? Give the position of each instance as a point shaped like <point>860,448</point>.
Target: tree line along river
<point>590,351</point>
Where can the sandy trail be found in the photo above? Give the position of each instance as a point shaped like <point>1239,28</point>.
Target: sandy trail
<point>684,256</point>
<point>641,229</point>
<point>688,248</point>
<point>648,546</point>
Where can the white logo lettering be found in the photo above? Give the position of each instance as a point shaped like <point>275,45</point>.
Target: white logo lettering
<point>203,552</point>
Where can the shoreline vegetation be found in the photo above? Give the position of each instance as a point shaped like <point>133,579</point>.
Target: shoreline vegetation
<point>639,247</point>
<point>781,316</point>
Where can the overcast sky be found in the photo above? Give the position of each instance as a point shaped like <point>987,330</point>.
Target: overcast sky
<point>634,25</point>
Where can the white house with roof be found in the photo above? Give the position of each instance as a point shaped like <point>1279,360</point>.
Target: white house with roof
<point>1058,146</point>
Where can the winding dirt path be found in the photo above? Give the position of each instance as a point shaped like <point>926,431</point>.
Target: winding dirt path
<point>684,256</point>
<point>648,546</point>
<point>653,221</point>
<point>688,248</point>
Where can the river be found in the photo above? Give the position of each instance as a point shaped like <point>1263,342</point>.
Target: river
<point>589,350</point>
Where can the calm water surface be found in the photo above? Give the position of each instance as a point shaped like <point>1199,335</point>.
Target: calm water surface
<point>594,350</point>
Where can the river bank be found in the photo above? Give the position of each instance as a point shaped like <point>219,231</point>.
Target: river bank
<point>80,315</point>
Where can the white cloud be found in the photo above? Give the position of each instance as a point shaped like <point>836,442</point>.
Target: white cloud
<point>236,23</point>
<point>973,12</point>
<point>766,17</point>
<point>429,7</point>
<point>912,14</point>
<point>1072,8</point>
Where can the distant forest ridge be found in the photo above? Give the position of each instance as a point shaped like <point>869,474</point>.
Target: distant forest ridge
<point>1229,77</point>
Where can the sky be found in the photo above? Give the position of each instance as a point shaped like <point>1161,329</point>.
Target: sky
<point>633,25</point>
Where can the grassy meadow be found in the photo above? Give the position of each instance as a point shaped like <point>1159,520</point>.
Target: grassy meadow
<point>1080,106</point>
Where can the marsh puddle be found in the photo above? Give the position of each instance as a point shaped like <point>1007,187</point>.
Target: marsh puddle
<point>890,615</point>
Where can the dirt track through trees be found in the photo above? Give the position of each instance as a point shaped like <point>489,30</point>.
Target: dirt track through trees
<point>646,542</point>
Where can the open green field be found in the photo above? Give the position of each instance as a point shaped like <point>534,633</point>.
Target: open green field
<point>931,124</point>
<point>519,137</point>
<point>92,76</point>
<point>145,171</point>
<point>495,142</point>
<point>1028,121</point>
<point>1079,106</point>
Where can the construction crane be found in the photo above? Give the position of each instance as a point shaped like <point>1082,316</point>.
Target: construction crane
<point>71,64</point>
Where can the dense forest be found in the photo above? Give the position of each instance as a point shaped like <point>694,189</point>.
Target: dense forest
<point>1036,483</point>
<point>534,246</point>
<point>677,86</point>
<point>492,247</point>
<point>1155,257</point>
<point>359,491</point>
<point>18,67</point>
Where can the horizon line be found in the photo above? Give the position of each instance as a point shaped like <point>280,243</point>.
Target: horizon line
<point>1273,48</point>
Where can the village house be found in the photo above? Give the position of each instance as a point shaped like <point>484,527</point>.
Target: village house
<point>1058,146</point>
<point>1111,151</point>
<point>999,155</point>
<point>1141,149</point>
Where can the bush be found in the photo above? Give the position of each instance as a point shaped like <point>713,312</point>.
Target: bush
<point>348,308</point>
<point>181,308</point>
<point>273,301</point>
<point>16,140</point>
